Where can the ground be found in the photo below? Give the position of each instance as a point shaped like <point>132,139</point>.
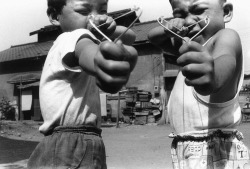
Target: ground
<point>127,147</point>
<point>21,130</point>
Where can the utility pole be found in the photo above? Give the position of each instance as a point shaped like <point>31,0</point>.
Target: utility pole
<point>20,114</point>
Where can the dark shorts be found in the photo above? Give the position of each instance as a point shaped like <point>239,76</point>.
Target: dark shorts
<point>70,147</point>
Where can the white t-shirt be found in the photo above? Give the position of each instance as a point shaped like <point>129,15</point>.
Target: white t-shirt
<point>68,95</point>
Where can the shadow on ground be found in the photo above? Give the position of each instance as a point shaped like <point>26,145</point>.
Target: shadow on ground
<point>15,150</point>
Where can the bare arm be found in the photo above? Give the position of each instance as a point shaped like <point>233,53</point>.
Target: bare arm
<point>164,39</point>
<point>159,38</point>
<point>213,70</point>
<point>228,65</point>
<point>85,52</point>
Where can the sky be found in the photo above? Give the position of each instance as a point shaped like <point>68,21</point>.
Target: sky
<point>20,17</point>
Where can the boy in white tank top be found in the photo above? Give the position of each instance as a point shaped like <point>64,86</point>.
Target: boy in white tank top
<point>203,107</point>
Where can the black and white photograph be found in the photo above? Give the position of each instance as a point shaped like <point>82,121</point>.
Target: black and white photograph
<point>135,84</point>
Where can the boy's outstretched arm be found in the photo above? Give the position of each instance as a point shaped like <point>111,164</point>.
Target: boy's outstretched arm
<point>213,72</point>
<point>111,63</point>
<point>160,39</point>
<point>165,40</point>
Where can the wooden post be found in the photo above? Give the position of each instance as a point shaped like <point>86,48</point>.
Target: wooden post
<point>118,111</point>
<point>20,116</point>
<point>164,69</point>
<point>154,73</point>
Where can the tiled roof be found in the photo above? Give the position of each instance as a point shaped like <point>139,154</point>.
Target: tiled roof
<point>25,77</point>
<point>41,49</point>
<point>25,51</point>
<point>46,29</point>
<point>142,30</point>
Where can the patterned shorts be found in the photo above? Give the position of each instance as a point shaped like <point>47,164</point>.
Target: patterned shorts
<point>214,150</point>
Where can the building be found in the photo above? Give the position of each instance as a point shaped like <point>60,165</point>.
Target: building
<point>21,66</point>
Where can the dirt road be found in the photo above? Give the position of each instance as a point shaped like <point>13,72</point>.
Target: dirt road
<point>138,147</point>
<point>144,147</point>
<point>127,147</point>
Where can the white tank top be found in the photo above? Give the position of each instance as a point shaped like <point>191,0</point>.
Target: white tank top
<point>189,113</point>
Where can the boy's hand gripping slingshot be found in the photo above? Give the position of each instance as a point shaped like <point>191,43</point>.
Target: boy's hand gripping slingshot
<point>164,23</point>
<point>91,17</point>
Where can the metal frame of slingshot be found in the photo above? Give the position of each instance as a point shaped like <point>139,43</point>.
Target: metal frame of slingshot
<point>96,27</point>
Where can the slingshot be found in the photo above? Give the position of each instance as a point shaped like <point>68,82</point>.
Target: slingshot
<point>91,17</point>
<point>164,24</point>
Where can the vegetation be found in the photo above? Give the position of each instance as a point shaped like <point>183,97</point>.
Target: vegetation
<point>7,111</point>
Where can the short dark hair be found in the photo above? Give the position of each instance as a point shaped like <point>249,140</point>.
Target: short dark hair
<point>55,6</point>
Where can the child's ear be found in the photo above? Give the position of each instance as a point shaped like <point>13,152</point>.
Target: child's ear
<point>228,12</point>
<point>53,18</point>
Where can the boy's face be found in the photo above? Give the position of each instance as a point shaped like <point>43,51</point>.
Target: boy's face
<point>74,14</point>
<point>194,10</point>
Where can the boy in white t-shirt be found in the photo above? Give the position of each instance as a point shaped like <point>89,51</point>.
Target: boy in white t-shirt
<point>77,64</point>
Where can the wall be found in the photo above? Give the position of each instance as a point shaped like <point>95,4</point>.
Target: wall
<point>148,71</point>
<point>244,98</point>
<point>11,69</point>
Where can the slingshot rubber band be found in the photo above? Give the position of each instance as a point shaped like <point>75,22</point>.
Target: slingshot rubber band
<point>119,37</point>
<point>206,20</point>
<point>132,10</point>
<point>94,26</point>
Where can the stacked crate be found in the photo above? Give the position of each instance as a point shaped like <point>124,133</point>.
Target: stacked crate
<point>130,98</point>
<point>138,107</point>
<point>142,107</point>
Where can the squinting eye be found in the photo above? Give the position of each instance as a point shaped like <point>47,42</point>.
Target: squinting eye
<point>83,12</point>
<point>199,11</point>
<point>103,12</point>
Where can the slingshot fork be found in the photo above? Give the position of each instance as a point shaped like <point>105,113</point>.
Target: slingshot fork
<point>91,17</point>
<point>132,10</point>
<point>164,22</point>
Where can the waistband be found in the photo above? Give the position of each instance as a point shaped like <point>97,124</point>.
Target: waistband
<point>84,129</point>
<point>206,135</point>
